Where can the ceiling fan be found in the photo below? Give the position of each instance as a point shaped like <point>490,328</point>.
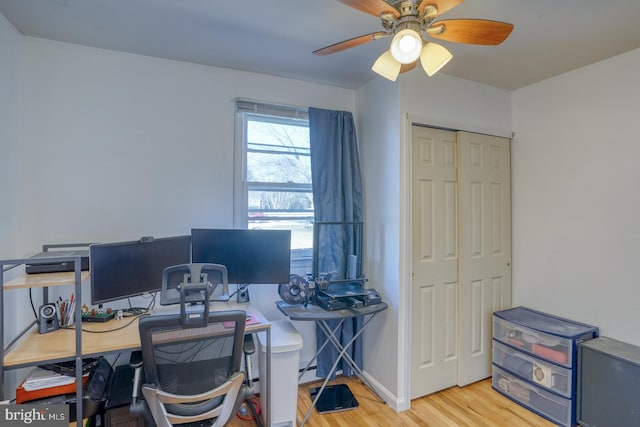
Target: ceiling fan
<point>408,21</point>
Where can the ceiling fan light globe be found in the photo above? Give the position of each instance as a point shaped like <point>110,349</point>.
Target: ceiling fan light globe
<point>387,67</point>
<point>406,46</point>
<point>433,57</point>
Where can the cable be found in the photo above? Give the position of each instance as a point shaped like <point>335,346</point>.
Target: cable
<point>141,310</point>
<point>32,306</point>
<point>256,403</point>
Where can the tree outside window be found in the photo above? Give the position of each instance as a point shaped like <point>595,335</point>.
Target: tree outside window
<point>277,176</point>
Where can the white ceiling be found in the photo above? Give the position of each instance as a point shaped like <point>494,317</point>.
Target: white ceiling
<point>277,36</point>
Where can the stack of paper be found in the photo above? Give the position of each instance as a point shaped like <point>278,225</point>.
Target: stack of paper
<point>42,378</point>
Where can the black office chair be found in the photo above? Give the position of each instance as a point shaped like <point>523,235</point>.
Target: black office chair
<point>192,372</point>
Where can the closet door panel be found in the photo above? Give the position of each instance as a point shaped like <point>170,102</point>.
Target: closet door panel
<point>485,248</point>
<point>434,292</point>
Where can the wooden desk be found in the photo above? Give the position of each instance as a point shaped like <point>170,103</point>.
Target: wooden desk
<point>35,348</point>
<point>44,280</point>
<point>114,336</point>
<point>98,338</point>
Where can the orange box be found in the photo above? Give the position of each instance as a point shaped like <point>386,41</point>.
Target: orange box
<point>23,395</point>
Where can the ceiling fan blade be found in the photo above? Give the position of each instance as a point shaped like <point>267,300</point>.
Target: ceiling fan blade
<point>408,67</point>
<point>372,7</point>
<point>442,5</point>
<point>473,31</point>
<point>347,44</point>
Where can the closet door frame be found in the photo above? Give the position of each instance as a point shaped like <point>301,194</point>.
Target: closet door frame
<point>497,300</point>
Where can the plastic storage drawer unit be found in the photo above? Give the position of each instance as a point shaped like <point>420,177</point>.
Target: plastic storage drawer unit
<point>549,405</point>
<point>547,337</point>
<point>546,375</point>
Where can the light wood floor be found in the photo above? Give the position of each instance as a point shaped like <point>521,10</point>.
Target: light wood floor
<point>477,405</point>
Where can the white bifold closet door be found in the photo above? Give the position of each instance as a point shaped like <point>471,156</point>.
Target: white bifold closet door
<point>461,254</point>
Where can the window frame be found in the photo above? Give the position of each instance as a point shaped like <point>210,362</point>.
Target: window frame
<point>301,259</point>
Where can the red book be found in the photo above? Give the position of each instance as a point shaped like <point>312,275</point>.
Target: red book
<point>549,353</point>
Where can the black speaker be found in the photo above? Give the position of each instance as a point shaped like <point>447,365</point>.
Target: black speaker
<point>47,318</point>
<point>243,294</point>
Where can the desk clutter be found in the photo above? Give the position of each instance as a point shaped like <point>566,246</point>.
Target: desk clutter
<point>119,271</point>
<point>56,383</point>
<point>97,314</point>
<point>106,391</point>
<point>331,295</point>
<point>256,257</point>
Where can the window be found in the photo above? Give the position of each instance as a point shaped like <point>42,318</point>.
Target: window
<point>273,182</point>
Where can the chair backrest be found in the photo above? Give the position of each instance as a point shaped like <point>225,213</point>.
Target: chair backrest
<point>186,360</point>
<point>180,276</point>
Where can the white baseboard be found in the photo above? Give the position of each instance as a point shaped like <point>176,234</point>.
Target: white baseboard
<point>390,399</point>
<point>309,377</point>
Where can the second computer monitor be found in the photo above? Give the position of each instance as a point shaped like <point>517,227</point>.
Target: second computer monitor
<point>251,256</point>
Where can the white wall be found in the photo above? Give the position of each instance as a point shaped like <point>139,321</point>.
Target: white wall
<point>9,83</point>
<point>378,121</point>
<point>456,104</point>
<point>116,146</point>
<point>386,111</point>
<point>576,203</point>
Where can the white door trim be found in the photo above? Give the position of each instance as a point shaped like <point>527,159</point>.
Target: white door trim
<point>404,291</point>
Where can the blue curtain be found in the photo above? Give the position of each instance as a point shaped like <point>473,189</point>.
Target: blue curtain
<point>337,196</point>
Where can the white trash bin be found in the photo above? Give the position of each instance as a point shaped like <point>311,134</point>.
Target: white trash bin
<point>286,343</point>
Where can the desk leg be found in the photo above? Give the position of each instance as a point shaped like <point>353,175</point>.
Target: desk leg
<point>347,357</point>
<point>315,356</point>
<point>267,409</point>
<point>343,354</point>
<point>324,384</point>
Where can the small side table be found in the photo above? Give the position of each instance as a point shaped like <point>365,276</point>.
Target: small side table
<point>312,312</point>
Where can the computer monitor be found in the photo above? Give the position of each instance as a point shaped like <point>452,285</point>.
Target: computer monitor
<point>127,269</point>
<point>251,256</point>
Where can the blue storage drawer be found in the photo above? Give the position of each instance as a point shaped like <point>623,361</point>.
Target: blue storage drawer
<point>557,409</point>
<point>544,336</point>
<point>546,375</point>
